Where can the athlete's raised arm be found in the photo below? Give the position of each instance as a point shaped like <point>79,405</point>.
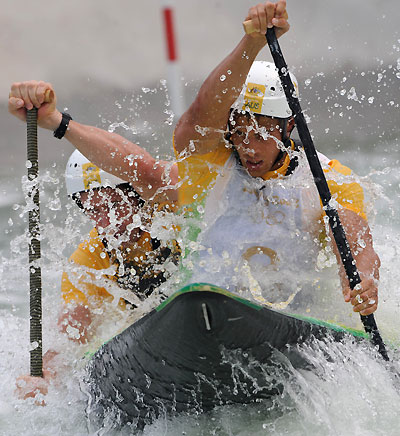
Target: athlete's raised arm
<point>206,119</point>
<point>110,151</point>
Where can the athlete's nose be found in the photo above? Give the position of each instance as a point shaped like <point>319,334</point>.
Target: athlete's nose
<point>248,152</point>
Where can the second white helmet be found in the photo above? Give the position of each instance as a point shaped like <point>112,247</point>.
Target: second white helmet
<point>82,175</point>
<point>263,93</point>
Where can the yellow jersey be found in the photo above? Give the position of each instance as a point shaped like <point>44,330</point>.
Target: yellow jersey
<point>198,172</point>
<point>143,269</point>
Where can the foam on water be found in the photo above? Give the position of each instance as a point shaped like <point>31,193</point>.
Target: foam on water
<point>351,393</point>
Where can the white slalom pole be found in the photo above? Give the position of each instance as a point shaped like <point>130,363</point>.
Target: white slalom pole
<point>174,82</point>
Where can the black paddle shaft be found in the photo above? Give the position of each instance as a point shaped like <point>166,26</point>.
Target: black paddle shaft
<point>322,186</point>
<point>35,278</point>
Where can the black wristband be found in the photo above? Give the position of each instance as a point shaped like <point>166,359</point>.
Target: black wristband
<point>62,128</point>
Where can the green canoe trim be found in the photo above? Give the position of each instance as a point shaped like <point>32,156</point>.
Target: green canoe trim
<point>207,287</point>
<point>338,328</point>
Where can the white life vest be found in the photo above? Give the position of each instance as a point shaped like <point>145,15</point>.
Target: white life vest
<point>259,236</point>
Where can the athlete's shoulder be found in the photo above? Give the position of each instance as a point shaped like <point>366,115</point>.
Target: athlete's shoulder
<point>344,185</point>
<point>329,165</point>
<point>198,171</point>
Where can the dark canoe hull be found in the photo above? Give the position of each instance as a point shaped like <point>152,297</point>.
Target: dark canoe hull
<point>201,348</point>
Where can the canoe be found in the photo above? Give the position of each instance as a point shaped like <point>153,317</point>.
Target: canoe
<point>203,347</point>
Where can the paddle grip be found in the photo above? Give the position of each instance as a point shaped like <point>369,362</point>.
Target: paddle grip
<point>248,26</point>
<point>48,96</point>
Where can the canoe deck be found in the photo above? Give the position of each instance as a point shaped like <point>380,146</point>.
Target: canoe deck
<point>201,348</point>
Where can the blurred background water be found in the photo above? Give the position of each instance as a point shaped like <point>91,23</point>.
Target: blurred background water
<point>107,63</point>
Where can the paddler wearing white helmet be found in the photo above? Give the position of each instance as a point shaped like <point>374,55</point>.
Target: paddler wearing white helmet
<point>82,175</point>
<point>98,193</point>
<point>119,240</point>
<point>121,160</point>
<point>263,101</point>
<point>237,161</point>
<point>104,185</point>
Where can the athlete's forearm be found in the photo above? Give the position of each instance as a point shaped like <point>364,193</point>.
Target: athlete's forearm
<point>123,158</point>
<point>361,245</point>
<point>109,151</point>
<point>367,263</point>
<point>210,109</point>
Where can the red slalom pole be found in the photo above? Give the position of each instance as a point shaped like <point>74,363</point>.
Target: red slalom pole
<point>170,34</point>
<point>174,82</point>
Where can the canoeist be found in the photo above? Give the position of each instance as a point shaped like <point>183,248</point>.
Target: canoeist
<point>260,213</point>
<point>137,181</point>
<point>118,241</point>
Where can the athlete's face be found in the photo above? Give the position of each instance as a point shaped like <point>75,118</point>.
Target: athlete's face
<point>112,210</point>
<point>256,139</point>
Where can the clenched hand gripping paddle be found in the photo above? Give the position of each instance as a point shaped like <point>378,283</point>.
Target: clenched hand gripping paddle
<point>320,181</point>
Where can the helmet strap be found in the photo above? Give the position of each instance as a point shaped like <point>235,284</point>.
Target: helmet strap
<point>284,130</point>
<point>77,198</point>
<point>285,140</point>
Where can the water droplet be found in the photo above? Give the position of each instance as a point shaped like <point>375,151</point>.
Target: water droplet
<point>352,94</point>
<point>222,78</point>
<point>33,345</point>
<point>371,100</point>
<point>54,204</point>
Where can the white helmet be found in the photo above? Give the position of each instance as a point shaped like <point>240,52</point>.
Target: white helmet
<point>81,175</point>
<point>263,93</point>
